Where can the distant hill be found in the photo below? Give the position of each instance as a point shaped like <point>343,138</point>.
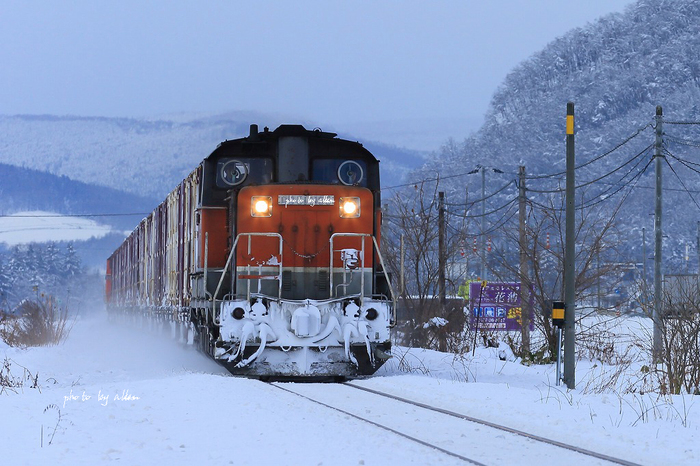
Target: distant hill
<point>616,71</point>
<point>24,189</point>
<point>146,157</point>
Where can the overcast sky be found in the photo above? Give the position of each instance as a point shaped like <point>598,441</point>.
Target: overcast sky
<point>327,61</point>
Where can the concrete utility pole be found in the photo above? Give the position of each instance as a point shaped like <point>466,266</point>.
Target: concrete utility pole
<point>482,238</point>
<point>597,259</point>
<point>659,156</point>
<point>442,260</point>
<point>524,275</point>
<point>644,258</point>
<point>570,255</point>
<point>402,277</point>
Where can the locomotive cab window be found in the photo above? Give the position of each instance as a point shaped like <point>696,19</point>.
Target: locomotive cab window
<point>233,172</point>
<point>349,172</point>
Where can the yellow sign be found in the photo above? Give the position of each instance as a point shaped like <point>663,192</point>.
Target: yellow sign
<point>516,313</point>
<point>558,313</point>
<point>569,124</point>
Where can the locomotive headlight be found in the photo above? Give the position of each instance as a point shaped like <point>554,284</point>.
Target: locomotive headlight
<point>349,207</point>
<point>261,206</point>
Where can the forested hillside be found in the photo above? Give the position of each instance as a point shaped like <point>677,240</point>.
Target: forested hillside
<point>24,189</point>
<point>616,71</point>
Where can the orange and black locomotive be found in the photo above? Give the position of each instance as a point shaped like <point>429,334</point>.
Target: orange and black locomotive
<point>268,255</point>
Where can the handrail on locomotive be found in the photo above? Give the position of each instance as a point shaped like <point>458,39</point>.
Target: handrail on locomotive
<point>248,277</point>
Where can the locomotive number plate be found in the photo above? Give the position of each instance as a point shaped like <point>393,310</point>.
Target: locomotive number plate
<point>300,199</point>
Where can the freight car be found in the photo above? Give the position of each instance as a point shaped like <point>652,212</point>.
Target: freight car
<point>268,255</point>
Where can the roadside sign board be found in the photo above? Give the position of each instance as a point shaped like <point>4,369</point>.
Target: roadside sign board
<point>496,306</point>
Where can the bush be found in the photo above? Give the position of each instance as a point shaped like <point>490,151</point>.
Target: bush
<point>678,357</point>
<point>37,323</point>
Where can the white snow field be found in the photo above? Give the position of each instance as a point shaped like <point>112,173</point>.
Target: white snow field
<point>141,399</point>
<point>39,226</point>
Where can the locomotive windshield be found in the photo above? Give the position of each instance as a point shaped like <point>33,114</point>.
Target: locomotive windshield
<point>340,171</point>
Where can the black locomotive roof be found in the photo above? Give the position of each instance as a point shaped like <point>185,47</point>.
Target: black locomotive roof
<point>289,154</point>
<point>266,136</point>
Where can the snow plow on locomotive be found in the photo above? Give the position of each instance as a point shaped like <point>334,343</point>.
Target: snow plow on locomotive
<point>268,252</point>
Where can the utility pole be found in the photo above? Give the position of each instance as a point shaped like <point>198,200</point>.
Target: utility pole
<point>644,258</point>
<point>465,231</point>
<point>441,249</point>
<point>482,238</point>
<point>697,248</point>
<point>659,156</point>
<point>597,257</point>
<point>402,277</point>
<point>524,275</point>
<point>570,254</point>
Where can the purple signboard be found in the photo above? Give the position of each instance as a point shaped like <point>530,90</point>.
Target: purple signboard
<point>496,306</point>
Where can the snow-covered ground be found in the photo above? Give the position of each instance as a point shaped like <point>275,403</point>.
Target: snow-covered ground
<point>39,226</point>
<point>139,398</point>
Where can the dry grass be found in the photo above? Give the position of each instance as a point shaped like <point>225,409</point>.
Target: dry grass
<point>10,382</point>
<point>40,323</point>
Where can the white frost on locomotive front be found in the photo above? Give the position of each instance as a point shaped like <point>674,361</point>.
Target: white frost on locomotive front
<point>301,333</point>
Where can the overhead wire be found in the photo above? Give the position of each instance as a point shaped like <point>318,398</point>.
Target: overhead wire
<point>685,142</point>
<point>596,180</point>
<point>438,178</point>
<point>592,203</point>
<point>595,159</point>
<point>599,179</point>
<point>681,122</point>
<point>485,214</point>
<point>529,177</point>
<point>476,201</point>
<point>632,181</point>
<point>681,181</point>
<point>684,162</point>
<point>500,223</point>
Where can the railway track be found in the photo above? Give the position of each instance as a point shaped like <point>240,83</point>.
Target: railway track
<point>471,440</point>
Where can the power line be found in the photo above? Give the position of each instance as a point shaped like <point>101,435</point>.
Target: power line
<point>485,214</point>
<point>602,197</point>
<point>497,226</point>
<point>476,201</point>
<point>681,122</point>
<point>529,177</point>
<point>596,180</point>
<point>681,181</point>
<point>438,178</point>
<point>685,142</point>
<point>634,179</point>
<point>595,159</point>
<point>687,163</point>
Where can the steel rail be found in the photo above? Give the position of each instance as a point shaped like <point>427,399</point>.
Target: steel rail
<point>376,424</point>
<point>521,433</point>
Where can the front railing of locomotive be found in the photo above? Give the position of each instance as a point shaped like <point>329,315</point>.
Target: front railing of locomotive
<point>337,320</point>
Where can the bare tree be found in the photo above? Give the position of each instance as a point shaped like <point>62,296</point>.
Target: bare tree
<point>423,320</point>
<point>596,236</point>
<point>679,360</point>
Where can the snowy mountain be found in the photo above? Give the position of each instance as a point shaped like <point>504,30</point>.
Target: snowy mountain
<point>616,71</point>
<point>146,157</point>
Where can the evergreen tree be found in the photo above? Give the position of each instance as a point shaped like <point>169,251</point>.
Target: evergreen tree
<point>4,284</point>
